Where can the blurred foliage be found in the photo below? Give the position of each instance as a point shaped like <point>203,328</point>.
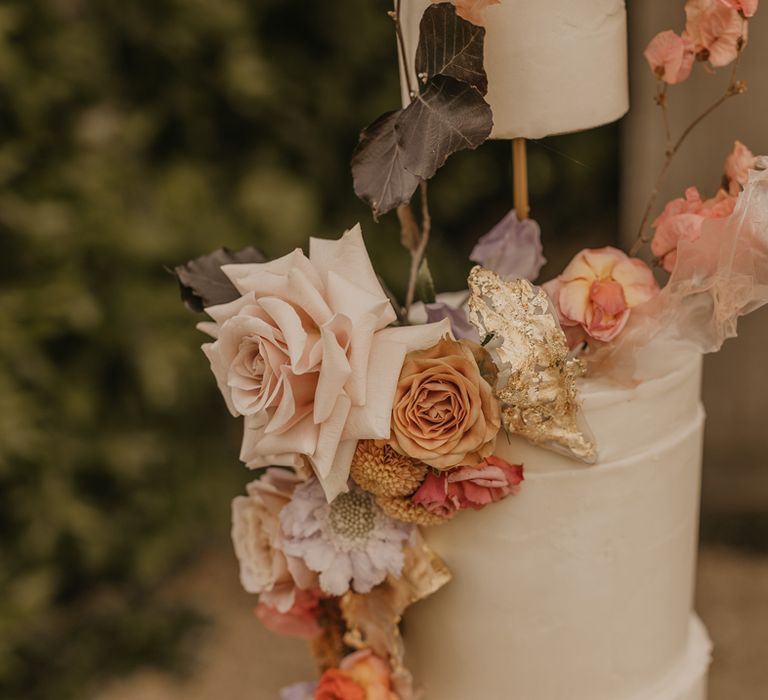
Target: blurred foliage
<point>140,134</point>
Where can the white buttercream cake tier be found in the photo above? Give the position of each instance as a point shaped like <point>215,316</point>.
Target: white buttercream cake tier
<point>553,66</point>
<point>581,586</point>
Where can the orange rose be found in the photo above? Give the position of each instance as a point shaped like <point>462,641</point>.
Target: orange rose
<point>444,412</point>
<point>360,676</point>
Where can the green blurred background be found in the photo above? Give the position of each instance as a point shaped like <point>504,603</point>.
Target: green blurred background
<point>135,135</point>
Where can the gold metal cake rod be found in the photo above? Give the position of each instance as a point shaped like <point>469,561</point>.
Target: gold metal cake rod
<point>520,178</point>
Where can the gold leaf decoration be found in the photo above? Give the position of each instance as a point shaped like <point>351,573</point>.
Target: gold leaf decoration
<point>537,378</point>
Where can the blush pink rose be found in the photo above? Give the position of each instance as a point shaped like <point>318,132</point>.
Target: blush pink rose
<point>670,57</point>
<point>746,7</point>
<point>471,10</point>
<point>469,487</point>
<point>306,356</point>
<point>258,541</point>
<point>714,30</point>
<point>682,220</point>
<point>597,291</point>
<point>299,621</point>
<point>737,166</point>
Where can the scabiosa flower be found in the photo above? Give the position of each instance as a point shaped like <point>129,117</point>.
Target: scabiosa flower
<point>349,540</point>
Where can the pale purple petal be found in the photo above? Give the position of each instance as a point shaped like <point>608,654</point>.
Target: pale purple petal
<point>299,691</point>
<point>336,577</point>
<point>460,324</point>
<point>512,249</point>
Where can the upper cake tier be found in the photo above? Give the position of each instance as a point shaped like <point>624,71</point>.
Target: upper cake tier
<point>553,66</point>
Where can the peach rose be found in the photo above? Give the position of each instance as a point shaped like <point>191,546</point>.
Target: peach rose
<point>444,412</point>
<point>746,7</point>
<point>714,29</point>
<point>360,676</point>
<point>469,487</point>
<point>670,57</point>
<point>304,354</point>
<point>737,166</point>
<point>682,219</point>
<point>299,621</point>
<point>597,291</point>
<point>257,538</point>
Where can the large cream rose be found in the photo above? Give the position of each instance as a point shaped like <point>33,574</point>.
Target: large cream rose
<point>444,412</point>
<point>257,538</point>
<point>304,354</point>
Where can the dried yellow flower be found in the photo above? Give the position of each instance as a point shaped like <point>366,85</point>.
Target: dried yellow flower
<point>383,472</point>
<point>406,511</point>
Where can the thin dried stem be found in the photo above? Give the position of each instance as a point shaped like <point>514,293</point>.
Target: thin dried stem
<point>417,254</point>
<point>735,87</point>
<point>663,102</point>
<point>401,46</point>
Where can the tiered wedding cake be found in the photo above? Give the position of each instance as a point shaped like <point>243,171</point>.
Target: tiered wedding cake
<point>581,587</point>
<point>405,517</point>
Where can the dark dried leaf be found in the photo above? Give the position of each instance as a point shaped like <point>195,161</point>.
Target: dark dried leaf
<point>203,284</point>
<point>449,45</point>
<point>379,176</point>
<point>446,117</point>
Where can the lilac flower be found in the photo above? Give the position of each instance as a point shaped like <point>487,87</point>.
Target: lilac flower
<point>512,249</point>
<point>347,540</point>
<point>460,324</point>
<point>298,691</point>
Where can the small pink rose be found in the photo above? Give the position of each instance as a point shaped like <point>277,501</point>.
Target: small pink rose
<point>299,621</point>
<point>746,7</point>
<point>469,487</point>
<point>737,166</point>
<point>714,29</point>
<point>670,57</point>
<point>597,291</point>
<point>682,220</point>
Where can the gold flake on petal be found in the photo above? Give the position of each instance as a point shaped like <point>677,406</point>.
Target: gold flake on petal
<point>537,378</point>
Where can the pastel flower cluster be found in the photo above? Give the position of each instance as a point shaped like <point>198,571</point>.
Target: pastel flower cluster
<point>304,353</point>
<point>408,414</point>
<point>715,32</point>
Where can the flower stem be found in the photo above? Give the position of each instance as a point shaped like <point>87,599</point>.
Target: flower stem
<point>418,252</point>
<point>401,46</point>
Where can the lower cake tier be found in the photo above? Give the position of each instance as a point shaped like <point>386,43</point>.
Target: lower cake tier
<point>581,586</point>
<point>688,678</point>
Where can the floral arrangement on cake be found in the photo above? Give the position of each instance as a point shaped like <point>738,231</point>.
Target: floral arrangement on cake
<point>366,419</point>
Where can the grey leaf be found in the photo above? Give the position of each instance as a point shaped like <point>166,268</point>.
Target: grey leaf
<point>203,284</point>
<point>449,45</point>
<point>447,116</point>
<point>379,176</point>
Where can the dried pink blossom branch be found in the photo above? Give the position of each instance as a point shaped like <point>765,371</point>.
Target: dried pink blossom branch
<point>735,87</point>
